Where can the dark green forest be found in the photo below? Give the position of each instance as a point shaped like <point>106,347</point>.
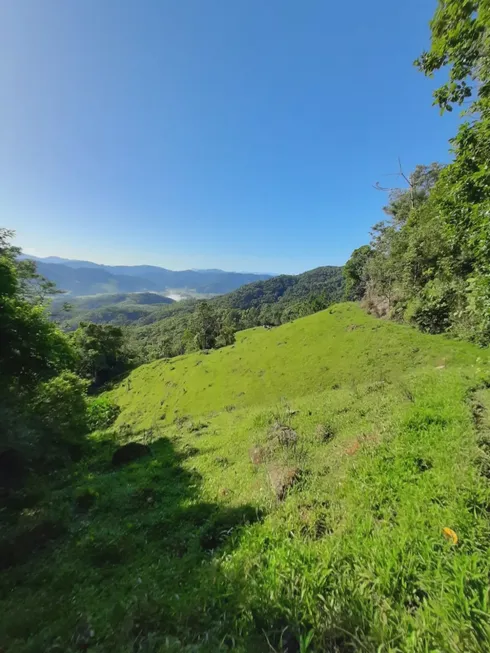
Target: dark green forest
<point>428,262</point>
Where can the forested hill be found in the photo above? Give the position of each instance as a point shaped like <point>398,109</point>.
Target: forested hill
<point>172,330</point>
<point>119,309</point>
<point>325,281</point>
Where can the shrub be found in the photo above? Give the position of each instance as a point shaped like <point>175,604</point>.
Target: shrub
<point>60,409</point>
<point>101,413</point>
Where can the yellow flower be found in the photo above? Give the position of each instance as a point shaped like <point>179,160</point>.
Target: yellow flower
<point>450,535</point>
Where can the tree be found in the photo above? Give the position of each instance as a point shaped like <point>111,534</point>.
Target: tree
<point>42,404</point>
<point>101,353</point>
<point>459,31</point>
<point>32,349</point>
<point>31,286</point>
<point>59,407</point>
<point>430,260</point>
<point>355,273</point>
<point>204,326</point>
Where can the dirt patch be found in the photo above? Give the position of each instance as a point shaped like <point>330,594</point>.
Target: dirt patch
<point>257,454</point>
<point>353,448</point>
<point>282,480</point>
<point>352,327</point>
<point>283,435</point>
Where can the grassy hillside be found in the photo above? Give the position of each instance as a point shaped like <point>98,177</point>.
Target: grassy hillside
<point>295,500</point>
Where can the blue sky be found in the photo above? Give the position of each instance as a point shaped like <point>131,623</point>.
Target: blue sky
<point>241,134</point>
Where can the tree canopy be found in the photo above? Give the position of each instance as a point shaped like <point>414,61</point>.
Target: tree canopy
<point>430,261</point>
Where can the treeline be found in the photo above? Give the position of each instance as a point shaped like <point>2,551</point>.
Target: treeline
<point>47,376</point>
<point>428,263</point>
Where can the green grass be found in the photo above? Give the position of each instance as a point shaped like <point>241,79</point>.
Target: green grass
<point>191,550</point>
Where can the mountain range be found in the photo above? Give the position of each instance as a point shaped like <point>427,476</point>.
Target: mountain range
<point>79,278</point>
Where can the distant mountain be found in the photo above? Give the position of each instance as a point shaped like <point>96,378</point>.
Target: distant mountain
<point>87,278</point>
<point>91,281</point>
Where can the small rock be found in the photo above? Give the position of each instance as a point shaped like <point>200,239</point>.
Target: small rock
<point>290,643</point>
<point>129,452</point>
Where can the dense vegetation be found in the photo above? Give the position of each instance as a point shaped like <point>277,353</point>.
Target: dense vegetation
<point>429,263</point>
<point>319,486</point>
<point>45,374</point>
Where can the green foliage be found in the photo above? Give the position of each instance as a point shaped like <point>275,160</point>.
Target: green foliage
<point>42,403</point>
<point>355,274</point>
<point>204,327</point>
<point>430,261</point>
<point>101,353</point>
<point>460,42</point>
<point>31,348</point>
<point>101,413</point>
<point>60,410</point>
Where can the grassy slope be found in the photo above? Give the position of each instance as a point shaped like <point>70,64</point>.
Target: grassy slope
<point>353,559</point>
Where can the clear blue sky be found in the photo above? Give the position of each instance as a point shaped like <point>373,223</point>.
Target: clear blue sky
<point>241,134</point>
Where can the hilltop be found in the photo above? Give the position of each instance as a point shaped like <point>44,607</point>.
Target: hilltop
<point>118,308</point>
<point>296,497</point>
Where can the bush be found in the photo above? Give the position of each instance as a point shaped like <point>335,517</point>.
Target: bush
<point>101,413</point>
<point>431,310</point>
<point>60,409</point>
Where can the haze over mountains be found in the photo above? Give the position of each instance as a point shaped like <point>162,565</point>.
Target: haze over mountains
<point>87,278</point>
